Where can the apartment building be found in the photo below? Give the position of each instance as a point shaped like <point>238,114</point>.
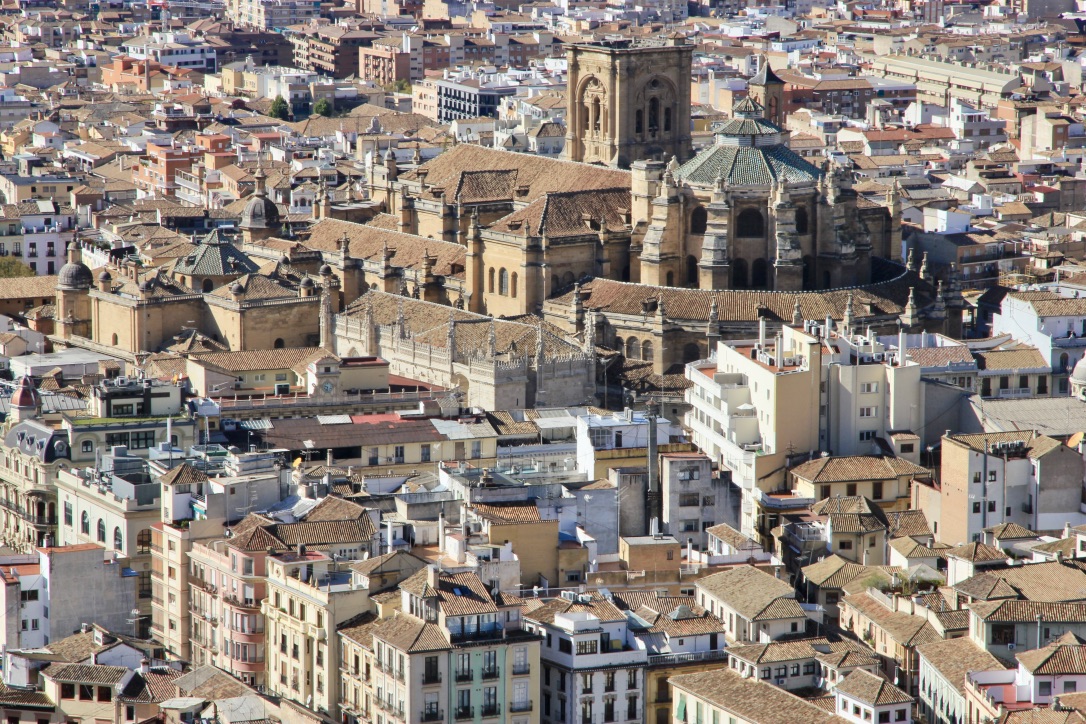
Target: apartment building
<point>454,652</point>
<point>155,174</point>
<point>331,50</point>
<point>936,80</point>
<point>944,666</point>
<point>271,14</point>
<point>113,505</point>
<point>725,696</point>
<point>1004,477</point>
<point>37,231</point>
<point>756,404</point>
<point>754,605</point>
<point>1053,321</point>
<point>196,508</point>
<point>228,577</point>
<point>884,480</point>
<point>801,664</point>
<point>172,48</point>
<point>591,670</point>
<point>694,497</point>
<point>309,595</point>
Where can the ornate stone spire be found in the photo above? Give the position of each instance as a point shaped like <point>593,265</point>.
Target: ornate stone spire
<point>797,313</point>
<point>849,318</point>
<point>924,266</point>
<point>909,317</point>
<point>492,339</point>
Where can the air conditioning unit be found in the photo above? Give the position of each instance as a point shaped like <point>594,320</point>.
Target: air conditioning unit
<point>878,356</point>
<point>1010,647</point>
<point>780,682</point>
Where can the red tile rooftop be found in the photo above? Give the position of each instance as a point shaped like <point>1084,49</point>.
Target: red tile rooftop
<point>72,549</point>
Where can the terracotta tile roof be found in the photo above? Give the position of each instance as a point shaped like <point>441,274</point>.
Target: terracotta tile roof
<point>871,689</point>
<point>368,241</point>
<point>752,700</point>
<point>508,513</point>
<point>257,538</point>
<point>599,607</point>
<point>325,532</point>
<point>43,287</point>
<point>86,673</point>
<point>977,552</point>
<point>1058,658</point>
<point>360,629</point>
<point>1009,611</point>
<point>905,629</point>
<point>183,474</point>
<point>410,634</point>
<point>732,537</point>
<point>16,698</point>
<point>911,523</point>
<point>333,508</point>
<point>936,357</point>
<point>856,467</point>
<point>615,297</point>
<point>1046,581</point>
<point>428,322</point>
<point>259,359</point>
<point>834,572</point>
<point>1035,443</point>
<point>1011,531</point>
<point>464,594</point>
<point>534,175</point>
<point>911,549</point>
<point>568,214</point>
<point>1026,358</point>
<point>682,620</point>
<point>753,593</point>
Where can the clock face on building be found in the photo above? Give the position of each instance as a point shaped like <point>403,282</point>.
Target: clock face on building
<point>327,387</point>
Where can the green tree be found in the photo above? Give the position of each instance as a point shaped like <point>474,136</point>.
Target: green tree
<point>279,108</point>
<point>12,267</point>
<point>323,108</point>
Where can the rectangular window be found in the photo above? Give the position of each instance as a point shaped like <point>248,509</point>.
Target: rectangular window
<point>869,387</point>
<point>876,491</point>
<point>587,647</point>
<point>869,411</point>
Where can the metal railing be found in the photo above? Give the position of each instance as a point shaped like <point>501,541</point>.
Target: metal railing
<point>464,713</point>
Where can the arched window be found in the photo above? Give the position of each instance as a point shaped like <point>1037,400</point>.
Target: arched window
<point>633,349</point>
<point>801,221</point>
<point>596,114</point>
<point>513,286</point>
<point>739,274</point>
<point>115,339</point>
<point>1063,362</point>
<point>118,540</point>
<point>691,353</point>
<point>699,220</point>
<point>208,286</point>
<point>646,350</point>
<point>667,119</point>
<point>490,280</point>
<point>670,279</point>
<point>84,523</point>
<point>654,115</point>
<point>278,343</point>
<point>759,274</point>
<point>750,224</point>
<point>639,121</point>
<point>568,279</point>
<point>808,272</point>
<point>692,271</point>
<point>503,282</point>
<point>101,531</point>
<point>143,541</point>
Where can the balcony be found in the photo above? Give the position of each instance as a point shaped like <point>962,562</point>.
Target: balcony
<point>464,713</point>
<point>683,658</point>
<point>1015,392</point>
<point>491,673</point>
<point>521,669</point>
<point>519,707</point>
<point>432,715</point>
<point>431,677</point>
<point>492,710</point>
<point>462,676</point>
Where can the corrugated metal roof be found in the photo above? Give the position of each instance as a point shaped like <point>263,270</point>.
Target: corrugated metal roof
<point>258,424</point>
<point>334,419</point>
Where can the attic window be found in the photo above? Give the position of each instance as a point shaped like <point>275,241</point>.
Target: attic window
<point>521,191</point>
<point>514,225</point>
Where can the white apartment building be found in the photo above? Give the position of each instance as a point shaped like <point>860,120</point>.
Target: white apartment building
<point>694,498</point>
<point>759,404</point>
<point>173,49</point>
<point>1053,321</point>
<point>455,652</point>
<point>37,231</point>
<point>591,670</point>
